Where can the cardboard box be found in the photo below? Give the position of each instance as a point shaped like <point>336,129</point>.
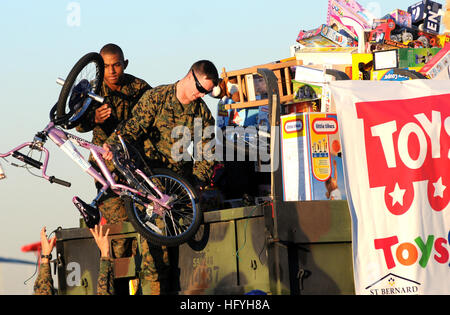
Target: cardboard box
<point>324,36</point>
<point>341,11</point>
<point>402,18</point>
<point>385,59</point>
<point>364,59</point>
<point>443,38</point>
<point>426,13</point>
<point>304,91</point>
<point>302,107</point>
<point>310,74</point>
<point>311,157</point>
<point>439,66</point>
<point>388,75</point>
<point>415,57</point>
<point>320,56</point>
<point>382,31</point>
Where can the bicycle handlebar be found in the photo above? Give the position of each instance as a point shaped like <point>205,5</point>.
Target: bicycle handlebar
<point>94,96</point>
<point>53,179</point>
<point>27,159</point>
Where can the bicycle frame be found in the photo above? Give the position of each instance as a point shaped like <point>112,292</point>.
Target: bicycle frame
<point>66,142</point>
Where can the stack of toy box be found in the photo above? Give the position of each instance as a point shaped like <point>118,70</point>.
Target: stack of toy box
<point>365,48</point>
<point>413,33</point>
<point>353,44</point>
<point>311,157</point>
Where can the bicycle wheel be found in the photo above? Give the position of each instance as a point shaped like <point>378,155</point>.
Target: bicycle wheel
<point>176,225</point>
<point>85,76</point>
<point>409,73</point>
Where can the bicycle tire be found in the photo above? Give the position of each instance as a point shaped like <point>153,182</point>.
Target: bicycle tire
<point>409,73</point>
<point>139,219</point>
<point>62,113</point>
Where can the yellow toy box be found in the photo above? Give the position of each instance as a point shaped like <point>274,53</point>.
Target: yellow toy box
<point>311,157</point>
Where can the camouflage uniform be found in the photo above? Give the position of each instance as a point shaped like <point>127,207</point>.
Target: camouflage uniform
<point>153,118</point>
<point>105,282</point>
<point>121,103</point>
<point>111,206</point>
<point>44,282</point>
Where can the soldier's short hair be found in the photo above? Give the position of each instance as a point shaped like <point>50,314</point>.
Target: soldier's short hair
<point>112,49</point>
<point>207,68</point>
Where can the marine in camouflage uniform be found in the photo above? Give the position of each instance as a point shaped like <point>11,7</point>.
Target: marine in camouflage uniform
<point>105,281</point>
<point>120,100</point>
<point>154,118</point>
<point>121,103</point>
<point>44,282</point>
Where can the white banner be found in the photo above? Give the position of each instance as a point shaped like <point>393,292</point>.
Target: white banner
<point>396,152</point>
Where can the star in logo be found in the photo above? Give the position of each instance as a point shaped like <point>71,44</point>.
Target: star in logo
<point>391,281</point>
<point>439,188</point>
<point>397,195</point>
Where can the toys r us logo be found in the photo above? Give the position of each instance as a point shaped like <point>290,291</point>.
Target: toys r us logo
<point>408,141</point>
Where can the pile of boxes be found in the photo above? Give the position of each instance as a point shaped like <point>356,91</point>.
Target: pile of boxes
<point>401,45</point>
<point>370,48</point>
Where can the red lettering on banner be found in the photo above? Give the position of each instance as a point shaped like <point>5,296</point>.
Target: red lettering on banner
<point>407,253</point>
<point>385,244</point>
<point>408,141</point>
<point>439,246</point>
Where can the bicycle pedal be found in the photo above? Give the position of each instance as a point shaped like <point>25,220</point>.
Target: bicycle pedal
<point>90,214</point>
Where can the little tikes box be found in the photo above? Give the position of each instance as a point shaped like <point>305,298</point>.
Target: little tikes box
<point>311,157</point>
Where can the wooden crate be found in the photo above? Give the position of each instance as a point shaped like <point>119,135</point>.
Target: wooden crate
<point>282,72</point>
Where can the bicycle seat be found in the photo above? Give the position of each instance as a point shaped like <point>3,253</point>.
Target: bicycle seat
<point>90,214</point>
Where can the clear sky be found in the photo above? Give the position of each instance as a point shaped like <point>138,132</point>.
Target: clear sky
<point>42,40</point>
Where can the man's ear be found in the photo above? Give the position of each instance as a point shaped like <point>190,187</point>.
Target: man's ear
<point>125,64</point>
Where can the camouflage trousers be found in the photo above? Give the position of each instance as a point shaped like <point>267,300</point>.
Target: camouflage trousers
<point>155,267</point>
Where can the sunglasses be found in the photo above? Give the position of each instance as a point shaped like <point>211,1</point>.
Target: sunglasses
<point>199,87</point>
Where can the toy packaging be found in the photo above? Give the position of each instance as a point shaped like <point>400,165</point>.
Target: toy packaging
<point>415,57</point>
<point>362,66</point>
<point>324,36</point>
<point>318,56</point>
<point>401,18</point>
<point>303,106</point>
<point>306,91</point>
<point>388,75</point>
<point>438,67</point>
<point>425,15</point>
<point>341,12</point>
<point>310,74</point>
<point>311,157</point>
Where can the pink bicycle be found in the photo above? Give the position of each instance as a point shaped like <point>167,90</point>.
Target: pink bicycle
<point>161,205</point>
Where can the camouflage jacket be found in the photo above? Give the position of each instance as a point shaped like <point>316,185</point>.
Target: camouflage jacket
<point>105,282</point>
<point>44,282</point>
<point>165,128</point>
<point>121,103</point>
